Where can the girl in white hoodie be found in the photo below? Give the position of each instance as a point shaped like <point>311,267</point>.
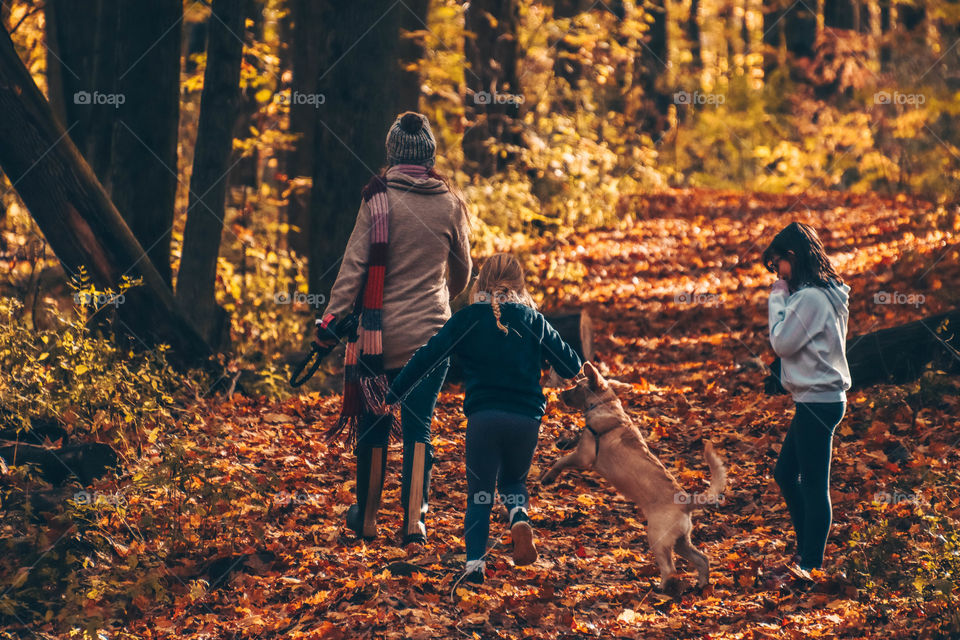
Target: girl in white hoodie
<point>808,330</point>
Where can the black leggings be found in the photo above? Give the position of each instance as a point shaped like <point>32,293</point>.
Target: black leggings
<point>803,473</point>
<point>500,448</point>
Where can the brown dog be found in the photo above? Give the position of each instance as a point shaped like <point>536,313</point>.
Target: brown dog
<point>613,446</point>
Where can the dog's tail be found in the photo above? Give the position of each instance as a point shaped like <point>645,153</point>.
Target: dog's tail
<point>718,480</point>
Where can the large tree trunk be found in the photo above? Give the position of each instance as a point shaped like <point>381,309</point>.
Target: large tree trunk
<point>219,102</point>
<point>143,171</point>
<point>359,82</point>
<point>900,354</point>
<point>410,50</point>
<point>492,100</point>
<point>114,80</point>
<point>305,56</point>
<point>81,66</point>
<point>74,212</point>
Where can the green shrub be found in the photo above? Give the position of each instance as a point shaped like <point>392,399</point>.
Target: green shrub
<point>81,378</point>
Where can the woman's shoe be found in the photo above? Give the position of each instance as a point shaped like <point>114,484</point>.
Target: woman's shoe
<point>362,515</point>
<point>524,550</point>
<point>355,522</point>
<point>415,539</point>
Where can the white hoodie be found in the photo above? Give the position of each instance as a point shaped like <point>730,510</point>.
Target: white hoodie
<point>808,330</point>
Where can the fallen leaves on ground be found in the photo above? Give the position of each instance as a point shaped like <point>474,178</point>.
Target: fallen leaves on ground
<point>678,300</point>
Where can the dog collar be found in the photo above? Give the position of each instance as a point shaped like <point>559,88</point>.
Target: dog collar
<point>596,440</point>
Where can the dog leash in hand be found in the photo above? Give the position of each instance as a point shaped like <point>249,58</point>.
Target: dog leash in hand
<point>318,352</point>
<point>313,360</point>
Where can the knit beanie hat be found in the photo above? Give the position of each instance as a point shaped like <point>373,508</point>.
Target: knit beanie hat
<point>410,140</point>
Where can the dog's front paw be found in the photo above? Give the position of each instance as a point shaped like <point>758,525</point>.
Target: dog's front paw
<point>547,478</point>
<point>672,587</point>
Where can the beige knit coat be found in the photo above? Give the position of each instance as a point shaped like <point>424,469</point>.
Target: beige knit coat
<point>428,263</point>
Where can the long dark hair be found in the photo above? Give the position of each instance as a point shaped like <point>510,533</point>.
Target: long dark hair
<point>800,244</point>
<point>453,188</point>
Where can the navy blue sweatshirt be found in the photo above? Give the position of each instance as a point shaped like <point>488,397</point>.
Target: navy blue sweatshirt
<point>501,371</point>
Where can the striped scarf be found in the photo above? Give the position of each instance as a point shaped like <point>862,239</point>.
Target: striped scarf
<point>365,383</point>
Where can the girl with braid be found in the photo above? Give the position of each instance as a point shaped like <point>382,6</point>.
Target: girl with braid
<point>503,343</point>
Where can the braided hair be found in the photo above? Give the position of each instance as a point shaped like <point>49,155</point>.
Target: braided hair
<point>501,280</point>
<point>800,244</point>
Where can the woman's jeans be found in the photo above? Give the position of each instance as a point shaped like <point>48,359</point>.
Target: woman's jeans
<point>803,474</point>
<point>500,447</point>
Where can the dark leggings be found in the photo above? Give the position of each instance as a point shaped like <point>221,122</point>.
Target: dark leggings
<point>803,473</point>
<point>500,448</point>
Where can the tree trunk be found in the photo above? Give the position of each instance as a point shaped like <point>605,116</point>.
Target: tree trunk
<point>143,171</point>
<point>576,329</point>
<point>492,97</point>
<point>876,34</point>
<point>570,8</point>
<point>219,102</point>
<point>900,354</point>
<point>305,56</point>
<point>358,81</point>
<point>792,28</point>
<point>82,67</point>
<point>413,18</point>
<point>75,214</point>
<point>677,18</point>
<point>835,13</point>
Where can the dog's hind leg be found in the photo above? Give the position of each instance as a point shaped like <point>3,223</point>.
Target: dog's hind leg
<point>662,540</point>
<point>695,557</point>
<point>669,581</point>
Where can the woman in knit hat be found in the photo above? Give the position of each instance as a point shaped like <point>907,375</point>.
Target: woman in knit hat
<point>408,255</point>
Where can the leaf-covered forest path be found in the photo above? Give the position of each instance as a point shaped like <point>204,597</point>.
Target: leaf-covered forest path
<point>257,547</point>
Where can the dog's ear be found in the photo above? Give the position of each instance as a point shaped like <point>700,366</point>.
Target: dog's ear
<point>594,379</point>
<point>619,387</point>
